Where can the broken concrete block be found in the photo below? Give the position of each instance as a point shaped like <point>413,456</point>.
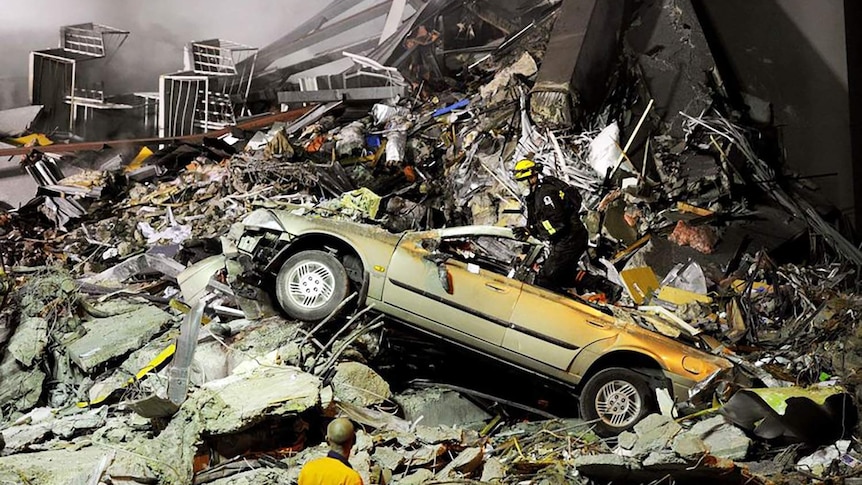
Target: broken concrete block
<point>722,438</point>
<point>467,461</point>
<point>664,457</point>
<point>359,384</point>
<point>210,363</point>
<point>387,457</point>
<point>416,478</point>
<point>75,424</point>
<point>577,61</point>
<point>627,440</point>
<point>437,407</point>
<point>654,432</point>
<point>688,446</point>
<point>493,470</point>
<point>425,455</point>
<point>111,337</point>
<point>258,476</point>
<point>58,467</point>
<point>524,66</point>
<point>109,308</point>
<point>121,429</point>
<point>608,459</point>
<point>259,338</point>
<point>105,386</point>
<point>241,400</point>
<point>438,434</point>
<point>21,387</point>
<point>167,458</point>
<point>361,462</point>
<point>129,368</point>
<point>20,438</point>
<point>29,340</point>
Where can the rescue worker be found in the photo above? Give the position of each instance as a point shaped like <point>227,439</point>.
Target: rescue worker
<point>552,215</point>
<point>333,469</point>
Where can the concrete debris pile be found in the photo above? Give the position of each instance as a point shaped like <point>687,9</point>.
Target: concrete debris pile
<point>111,371</point>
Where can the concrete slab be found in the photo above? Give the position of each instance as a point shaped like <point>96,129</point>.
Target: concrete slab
<point>258,339</point>
<point>655,433</point>
<point>21,386</point>
<point>417,478</point>
<point>260,476</point>
<point>60,467</point>
<point>68,426</point>
<point>468,460</point>
<point>29,340</point>
<point>688,446</point>
<point>722,438</point>
<point>239,401</point>
<point>493,470</point>
<point>107,338</point>
<point>20,438</point>
<point>439,434</point>
<point>358,384</point>
<point>439,407</point>
<point>388,457</point>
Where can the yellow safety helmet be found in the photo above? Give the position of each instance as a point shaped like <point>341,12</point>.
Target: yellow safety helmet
<point>525,169</point>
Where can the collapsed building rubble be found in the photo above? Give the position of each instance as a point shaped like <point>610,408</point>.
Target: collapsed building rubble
<point>690,223</point>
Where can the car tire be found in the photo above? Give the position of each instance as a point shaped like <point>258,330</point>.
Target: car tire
<point>616,399</point>
<point>310,285</point>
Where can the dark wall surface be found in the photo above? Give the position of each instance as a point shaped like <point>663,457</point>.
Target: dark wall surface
<point>793,53</point>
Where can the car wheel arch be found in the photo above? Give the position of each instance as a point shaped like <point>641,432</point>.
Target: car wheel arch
<point>316,241</point>
<point>628,359</point>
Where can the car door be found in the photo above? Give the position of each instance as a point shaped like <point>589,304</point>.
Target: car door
<point>480,298</point>
<point>552,328</point>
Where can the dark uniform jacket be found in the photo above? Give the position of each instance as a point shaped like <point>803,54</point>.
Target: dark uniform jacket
<point>552,211</point>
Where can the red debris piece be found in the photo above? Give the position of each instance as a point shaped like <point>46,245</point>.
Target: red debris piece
<point>701,238</point>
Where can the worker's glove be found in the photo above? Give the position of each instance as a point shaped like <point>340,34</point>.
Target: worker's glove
<point>521,233</point>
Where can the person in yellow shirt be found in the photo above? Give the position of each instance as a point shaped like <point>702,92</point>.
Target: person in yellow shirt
<point>333,469</point>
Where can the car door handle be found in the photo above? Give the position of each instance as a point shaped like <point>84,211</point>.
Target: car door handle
<point>496,288</point>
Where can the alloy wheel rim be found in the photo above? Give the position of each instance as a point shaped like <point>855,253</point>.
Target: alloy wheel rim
<point>618,403</point>
<point>310,285</point>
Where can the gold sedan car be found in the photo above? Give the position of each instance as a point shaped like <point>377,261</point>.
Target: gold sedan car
<point>469,285</point>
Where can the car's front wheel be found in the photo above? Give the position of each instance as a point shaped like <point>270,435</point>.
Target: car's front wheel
<point>616,398</point>
<point>311,284</point>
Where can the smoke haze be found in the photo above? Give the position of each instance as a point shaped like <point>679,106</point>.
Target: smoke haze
<point>159,30</point>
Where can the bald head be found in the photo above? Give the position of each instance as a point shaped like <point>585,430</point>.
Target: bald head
<point>340,435</point>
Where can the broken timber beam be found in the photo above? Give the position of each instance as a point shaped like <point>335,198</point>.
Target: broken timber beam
<point>253,124</point>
